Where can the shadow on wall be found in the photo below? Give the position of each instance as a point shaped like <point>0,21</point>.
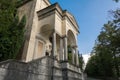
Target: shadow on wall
<point>45,68</point>
<point>34,70</point>
<point>12,70</point>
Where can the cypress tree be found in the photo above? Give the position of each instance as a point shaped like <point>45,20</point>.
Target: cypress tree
<point>11,30</point>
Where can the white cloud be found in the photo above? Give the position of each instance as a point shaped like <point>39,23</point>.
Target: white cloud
<point>85,57</point>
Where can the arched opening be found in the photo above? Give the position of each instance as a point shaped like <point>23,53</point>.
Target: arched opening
<point>71,43</point>
<point>71,38</point>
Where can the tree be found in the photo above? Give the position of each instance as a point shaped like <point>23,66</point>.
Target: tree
<point>105,50</point>
<point>116,0</point>
<point>81,61</point>
<point>92,67</point>
<point>116,40</point>
<point>11,30</point>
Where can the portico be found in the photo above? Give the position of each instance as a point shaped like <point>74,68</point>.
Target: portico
<point>57,29</point>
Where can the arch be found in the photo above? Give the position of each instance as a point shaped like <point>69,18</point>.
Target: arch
<point>71,43</point>
<point>71,38</point>
<point>46,33</point>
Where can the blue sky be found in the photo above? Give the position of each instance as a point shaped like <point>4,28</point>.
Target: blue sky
<point>90,16</point>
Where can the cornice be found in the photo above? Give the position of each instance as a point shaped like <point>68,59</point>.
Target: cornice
<point>51,8</point>
<point>65,14</point>
<point>56,8</point>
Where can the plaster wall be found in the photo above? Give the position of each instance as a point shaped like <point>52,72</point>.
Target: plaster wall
<point>27,9</point>
<point>58,24</point>
<point>64,32</point>
<point>40,4</point>
<point>49,20</point>
<point>69,26</point>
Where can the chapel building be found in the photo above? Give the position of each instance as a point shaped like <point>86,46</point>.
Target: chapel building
<point>50,50</point>
<point>49,31</point>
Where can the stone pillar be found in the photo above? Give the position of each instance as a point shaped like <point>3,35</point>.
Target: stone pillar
<point>61,49</point>
<point>65,49</point>
<point>54,44</point>
<point>77,57</point>
<point>73,56</point>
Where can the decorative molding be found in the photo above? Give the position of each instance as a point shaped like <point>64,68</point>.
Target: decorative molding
<point>55,8</point>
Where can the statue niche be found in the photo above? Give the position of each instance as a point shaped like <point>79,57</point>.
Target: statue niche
<point>46,32</point>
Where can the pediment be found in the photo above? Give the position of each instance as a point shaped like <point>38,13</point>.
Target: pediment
<point>72,18</point>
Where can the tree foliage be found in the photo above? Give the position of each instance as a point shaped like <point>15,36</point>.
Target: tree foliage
<point>80,57</point>
<point>116,0</point>
<point>11,30</point>
<point>104,62</point>
<point>81,62</point>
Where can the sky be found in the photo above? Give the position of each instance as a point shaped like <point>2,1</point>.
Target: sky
<point>90,15</point>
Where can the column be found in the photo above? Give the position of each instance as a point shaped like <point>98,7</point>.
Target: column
<point>61,49</point>
<point>73,56</point>
<point>65,49</point>
<point>77,57</point>
<point>54,44</point>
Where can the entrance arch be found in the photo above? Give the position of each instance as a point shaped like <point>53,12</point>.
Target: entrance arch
<point>71,41</point>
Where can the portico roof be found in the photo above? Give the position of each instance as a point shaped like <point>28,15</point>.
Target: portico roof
<point>63,13</point>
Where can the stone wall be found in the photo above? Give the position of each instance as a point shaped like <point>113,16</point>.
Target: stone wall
<point>41,69</point>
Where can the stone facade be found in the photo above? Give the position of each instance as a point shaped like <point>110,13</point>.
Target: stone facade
<point>45,68</point>
<point>49,32</point>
